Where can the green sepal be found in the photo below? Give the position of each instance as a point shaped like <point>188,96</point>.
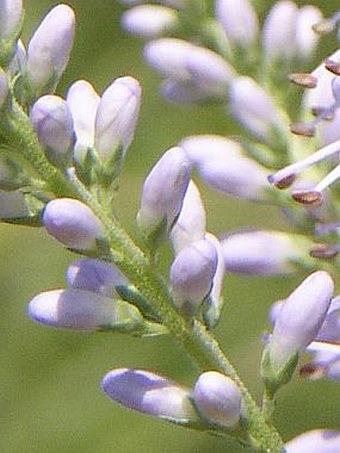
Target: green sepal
<point>127,318</point>
<point>157,235</point>
<point>211,312</point>
<point>133,296</point>
<point>274,378</point>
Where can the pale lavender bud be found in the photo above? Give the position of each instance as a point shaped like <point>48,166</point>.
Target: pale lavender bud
<point>163,193</point>
<point>13,204</point>
<point>221,164</point>
<point>263,252</point>
<point>205,72</point>
<point>117,116</point>
<point>72,223</point>
<point>191,275</point>
<point>300,318</point>
<point>253,107</point>
<point>49,48</point>
<point>96,276</point>
<point>279,30</point>
<point>10,18</point>
<point>239,21</point>
<point>149,393</point>
<point>3,87</point>
<point>149,21</point>
<point>53,122</point>
<point>190,225</point>
<point>218,399</point>
<point>81,310</point>
<point>82,100</point>
<point>317,440</point>
<point>306,39</point>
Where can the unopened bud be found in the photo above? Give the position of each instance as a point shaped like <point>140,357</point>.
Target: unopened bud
<point>10,18</point>
<point>163,194</point>
<point>149,21</point>
<point>218,399</point>
<point>96,276</point>
<point>53,122</point>
<point>72,223</point>
<point>82,310</point>
<point>116,117</point>
<point>192,274</point>
<point>49,49</point>
<point>149,393</point>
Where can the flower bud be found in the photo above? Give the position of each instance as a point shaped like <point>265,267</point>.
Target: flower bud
<point>217,399</point>
<point>263,252</point>
<point>300,318</point>
<point>163,193</point>
<point>10,18</point>
<point>195,71</point>
<point>49,49</point>
<point>279,30</point>
<point>190,225</point>
<point>82,100</point>
<point>53,122</point>
<point>221,165</point>
<point>239,21</point>
<point>192,274</point>
<point>318,440</point>
<point>116,117</point>
<point>149,393</point>
<point>82,310</point>
<point>253,107</point>
<point>305,37</point>
<point>149,21</point>
<point>95,275</point>
<point>72,223</point>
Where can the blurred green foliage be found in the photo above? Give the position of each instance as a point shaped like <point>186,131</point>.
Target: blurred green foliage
<point>50,399</point>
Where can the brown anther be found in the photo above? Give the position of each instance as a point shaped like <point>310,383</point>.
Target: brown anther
<point>303,79</point>
<point>323,27</point>
<point>323,251</point>
<point>308,197</point>
<point>325,113</point>
<point>285,182</point>
<point>312,371</point>
<point>333,67</point>
<point>304,129</point>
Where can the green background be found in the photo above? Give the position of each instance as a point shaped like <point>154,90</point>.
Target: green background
<point>50,397</point>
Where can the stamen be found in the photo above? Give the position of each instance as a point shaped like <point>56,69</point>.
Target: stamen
<point>303,79</point>
<point>308,197</point>
<point>285,182</point>
<point>298,167</point>
<point>312,370</point>
<point>324,251</point>
<point>326,113</point>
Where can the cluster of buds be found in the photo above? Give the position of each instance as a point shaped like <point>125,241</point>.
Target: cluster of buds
<point>60,165</point>
<point>215,400</point>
